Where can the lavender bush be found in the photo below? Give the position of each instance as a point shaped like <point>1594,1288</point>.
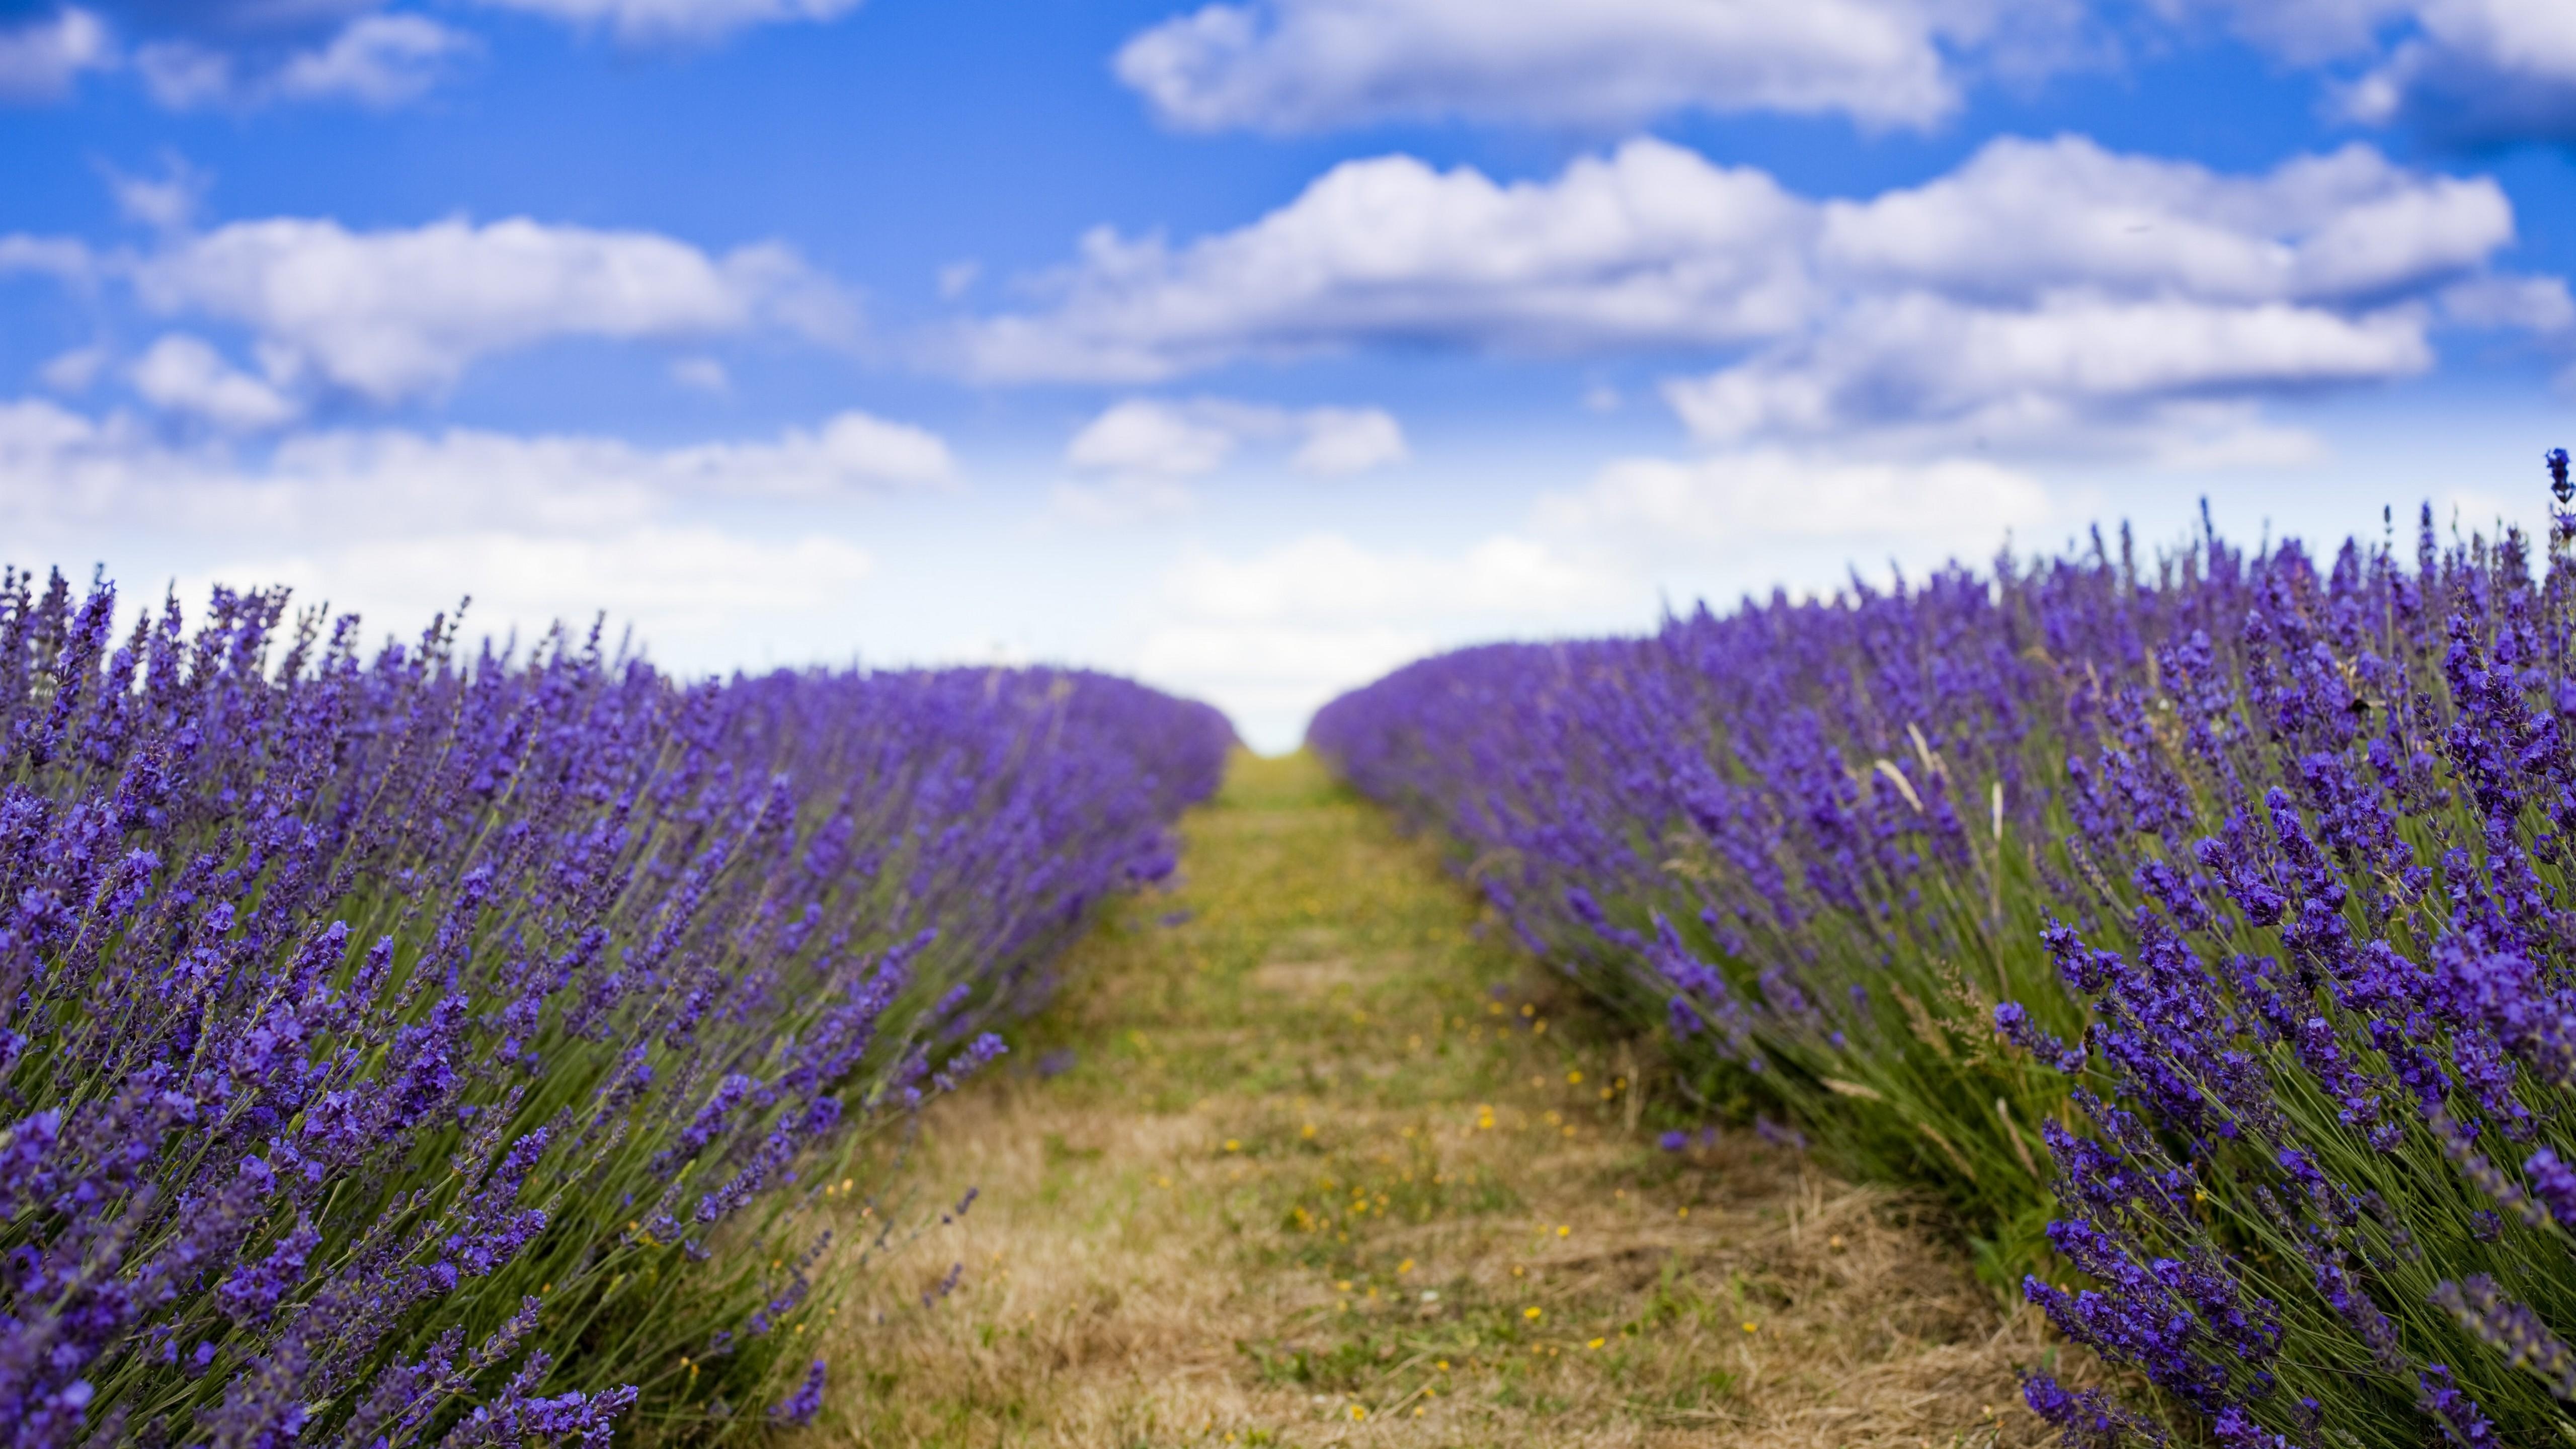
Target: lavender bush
<point>415,1045</point>
<point>2214,914</point>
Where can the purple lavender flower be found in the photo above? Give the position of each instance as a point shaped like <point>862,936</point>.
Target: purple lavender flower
<point>801,1406</point>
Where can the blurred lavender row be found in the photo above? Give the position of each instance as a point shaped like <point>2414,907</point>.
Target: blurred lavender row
<point>410,1045</point>
<point>2199,927</point>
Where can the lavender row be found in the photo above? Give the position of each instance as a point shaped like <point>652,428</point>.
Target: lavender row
<point>2201,928</point>
<point>409,1045</point>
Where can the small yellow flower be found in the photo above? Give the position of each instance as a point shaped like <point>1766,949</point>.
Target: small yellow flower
<point>1404,1267</point>
<point>1751,1327</point>
<point>1532,1314</point>
<point>1574,1079</point>
<point>1344,1285</point>
<point>1358,1413</point>
<point>1308,1131</point>
<point>1564,1230</point>
<point>1232,1145</point>
<point>1682,1212</point>
<point>1443,1365</point>
<point>1596,1343</point>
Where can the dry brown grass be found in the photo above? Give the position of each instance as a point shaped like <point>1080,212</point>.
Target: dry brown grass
<point>1313,1183</point>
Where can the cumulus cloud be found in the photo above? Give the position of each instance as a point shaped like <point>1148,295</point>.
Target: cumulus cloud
<point>180,373</point>
<point>64,259</point>
<point>396,313</point>
<point>2057,293</point>
<point>2041,292</point>
<point>2478,72</point>
<point>1736,503</point>
<point>1141,454</point>
<point>167,202</point>
<point>73,370</point>
<point>41,59</point>
<point>1190,438</point>
<point>399,523</point>
<point>1650,245</point>
<point>58,465</point>
<point>650,21</point>
<point>1341,441</point>
<point>377,61</point>
<point>2463,72</point>
<point>1312,65</point>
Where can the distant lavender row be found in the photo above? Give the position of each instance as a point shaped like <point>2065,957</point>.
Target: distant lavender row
<point>409,1045</point>
<point>2202,930</point>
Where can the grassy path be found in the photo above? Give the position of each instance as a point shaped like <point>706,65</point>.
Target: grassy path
<point>1301,1158</point>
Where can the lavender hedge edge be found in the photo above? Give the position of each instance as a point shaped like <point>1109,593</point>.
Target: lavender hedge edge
<point>409,1045</point>
<point>2201,928</point>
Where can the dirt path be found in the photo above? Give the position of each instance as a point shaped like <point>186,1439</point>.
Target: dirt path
<point>1302,1158</point>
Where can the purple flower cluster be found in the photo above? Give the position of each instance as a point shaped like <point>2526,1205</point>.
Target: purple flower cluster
<point>2217,912</point>
<point>357,1002</point>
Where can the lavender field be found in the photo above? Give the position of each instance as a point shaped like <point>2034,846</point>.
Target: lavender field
<point>2194,924</point>
<point>411,1043</point>
<point>405,1044</point>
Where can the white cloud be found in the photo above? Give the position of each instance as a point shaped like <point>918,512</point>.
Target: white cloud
<point>2058,295</point>
<point>62,258</point>
<point>1152,438</point>
<point>391,314</point>
<point>853,450</point>
<point>1120,498</point>
<point>955,279</point>
<point>2060,373</point>
<point>2048,294</point>
<point>166,203</point>
<point>182,75</point>
<point>2022,219</point>
<point>2479,72</point>
<point>74,370</point>
<point>1342,441</point>
<point>57,465</point>
<point>1142,435</point>
<point>2465,72</point>
<point>378,61</point>
<point>1651,245</point>
<point>397,524</point>
<point>691,590</point>
<point>1325,577</point>
<point>702,374</point>
<point>1736,503</point>
<point>180,373</point>
<point>1309,65</point>
<point>2308,32</point>
<point>41,59</point>
<point>651,21</point>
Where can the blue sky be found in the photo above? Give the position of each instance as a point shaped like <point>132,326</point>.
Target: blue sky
<point>1250,347</point>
